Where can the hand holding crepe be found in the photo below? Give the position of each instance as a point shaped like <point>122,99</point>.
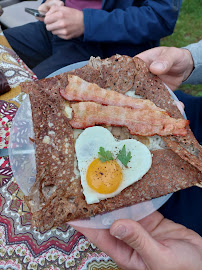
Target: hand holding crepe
<point>57,195</point>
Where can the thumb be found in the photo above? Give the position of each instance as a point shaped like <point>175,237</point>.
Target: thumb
<point>161,66</point>
<point>134,235</point>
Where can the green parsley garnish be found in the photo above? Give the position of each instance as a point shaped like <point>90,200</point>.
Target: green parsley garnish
<point>123,157</point>
<point>104,155</point>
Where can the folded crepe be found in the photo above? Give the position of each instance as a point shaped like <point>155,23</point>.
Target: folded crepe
<point>56,196</point>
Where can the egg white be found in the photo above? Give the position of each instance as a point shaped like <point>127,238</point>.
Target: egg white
<point>87,147</point>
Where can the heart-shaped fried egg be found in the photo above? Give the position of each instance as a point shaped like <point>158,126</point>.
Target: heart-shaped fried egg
<point>105,179</point>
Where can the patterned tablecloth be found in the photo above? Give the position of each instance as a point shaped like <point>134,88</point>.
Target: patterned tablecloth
<point>22,247</point>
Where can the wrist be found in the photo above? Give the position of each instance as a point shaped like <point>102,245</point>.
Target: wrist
<point>82,23</point>
<point>79,23</point>
<point>189,64</point>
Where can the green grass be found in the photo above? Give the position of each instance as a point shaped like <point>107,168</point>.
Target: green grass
<point>188,30</point>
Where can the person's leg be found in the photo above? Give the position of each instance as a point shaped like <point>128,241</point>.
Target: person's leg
<point>66,52</point>
<point>31,42</point>
<point>184,206</point>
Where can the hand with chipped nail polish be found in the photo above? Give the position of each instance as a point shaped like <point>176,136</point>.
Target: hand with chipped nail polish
<point>153,243</point>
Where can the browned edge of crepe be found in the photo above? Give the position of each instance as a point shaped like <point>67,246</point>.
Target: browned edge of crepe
<point>187,147</point>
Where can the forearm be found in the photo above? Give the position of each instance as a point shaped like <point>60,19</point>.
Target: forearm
<point>196,52</point>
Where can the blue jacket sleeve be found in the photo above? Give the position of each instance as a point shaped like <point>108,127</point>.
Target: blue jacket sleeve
<point>150,21</point>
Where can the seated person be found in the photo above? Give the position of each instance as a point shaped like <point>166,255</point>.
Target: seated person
<point>79,29</point>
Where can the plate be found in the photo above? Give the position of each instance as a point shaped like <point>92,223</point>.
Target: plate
<point>23,165</point>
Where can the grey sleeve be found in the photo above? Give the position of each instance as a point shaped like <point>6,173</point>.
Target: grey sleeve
<point>196,51</point>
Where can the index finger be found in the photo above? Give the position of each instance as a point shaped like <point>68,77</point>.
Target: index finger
<point>113,247</point>
<point>150,55</point>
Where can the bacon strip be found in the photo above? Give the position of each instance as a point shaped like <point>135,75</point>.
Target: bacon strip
<point>80,90</point>
<point>138,122</point>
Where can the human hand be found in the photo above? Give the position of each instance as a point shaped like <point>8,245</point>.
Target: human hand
<point>64,22</point>
<point>172,65</point>
<point>47,5</point>
<point>153,243</point>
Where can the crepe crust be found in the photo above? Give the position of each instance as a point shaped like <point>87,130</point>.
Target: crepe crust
<point>53,199</point>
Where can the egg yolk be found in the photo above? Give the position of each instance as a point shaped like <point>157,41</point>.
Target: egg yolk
<point>104,177</point>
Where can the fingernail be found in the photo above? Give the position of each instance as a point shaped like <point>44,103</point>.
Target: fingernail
<point>158,65</point>
<point>119,231</point>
